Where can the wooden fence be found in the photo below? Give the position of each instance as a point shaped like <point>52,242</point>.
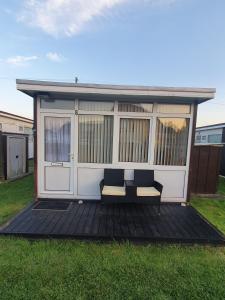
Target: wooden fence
<point>204,169</point>
<point>222,164</point>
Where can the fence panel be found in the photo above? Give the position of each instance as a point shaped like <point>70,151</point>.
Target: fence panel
<point>204,169</point>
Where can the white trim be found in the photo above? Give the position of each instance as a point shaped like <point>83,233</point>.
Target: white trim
<point>115,135</point>
<point>38,138</point>
<point>198,93</point>
<point>189,151</point>
<point>43,164</point>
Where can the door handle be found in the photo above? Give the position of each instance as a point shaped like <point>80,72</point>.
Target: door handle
<point>57,164</point>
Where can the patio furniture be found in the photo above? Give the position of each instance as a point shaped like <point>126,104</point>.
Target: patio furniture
<point>112,187</point>
<point>147,189</point>
<point>143,189</point>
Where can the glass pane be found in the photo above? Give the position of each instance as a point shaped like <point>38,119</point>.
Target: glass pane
<point>134,137</point>
<point>171,141</point>
<point>57,139</point>
<point>198,139</point>
<point>215,138</point>
<point>96,106</point>
<point>174,108</point>
<point>135,107</point>
<point>95,139</point>
<point>58,104</point>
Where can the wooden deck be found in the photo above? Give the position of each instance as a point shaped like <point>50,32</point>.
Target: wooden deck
<point>95,221</point>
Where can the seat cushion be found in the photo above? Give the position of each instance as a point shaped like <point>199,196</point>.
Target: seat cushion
<point>147,191</point>
<point>113,190</point>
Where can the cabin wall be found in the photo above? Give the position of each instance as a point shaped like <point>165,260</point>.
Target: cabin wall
<point>83,180</point>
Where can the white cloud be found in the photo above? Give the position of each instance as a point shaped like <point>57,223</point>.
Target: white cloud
<point>63,17</point>
<point>53,56</point>
<point>69,17</point>
<point>20,60</point>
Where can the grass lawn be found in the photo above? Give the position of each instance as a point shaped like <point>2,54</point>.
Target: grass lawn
<point>221,186</point>
<point>213,209</point>
<point>14,196</point>
<point>77,270</point>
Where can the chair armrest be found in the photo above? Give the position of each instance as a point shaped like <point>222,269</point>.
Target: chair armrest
<point>158,186</point>
<point>101,185</point>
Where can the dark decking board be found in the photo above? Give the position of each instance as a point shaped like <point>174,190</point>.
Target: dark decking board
<point>134,222</point>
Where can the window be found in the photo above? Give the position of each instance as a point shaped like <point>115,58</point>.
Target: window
<point>57,139</point>
<point>215,138</point>
<point>96,106</point>
<point>134,138</point>
<point>198,138</point>
<point>57,104</point>
<point>171,141</point>
<point>174,108</point>
<point>204,137</point>
<point>95,139</point>
<point>135,107</point>
<point>0,126</point>
<point>28,130</point>
<point>21,128</point>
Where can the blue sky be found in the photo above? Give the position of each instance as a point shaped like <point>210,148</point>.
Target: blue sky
<point>146,42</point>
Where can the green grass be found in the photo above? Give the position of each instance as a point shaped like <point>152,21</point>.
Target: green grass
<point>221,186</point>
<point>31,165</point>
<point>212,209</point>
<point>76,270</point>
<point>53,269</point>
<point>14,196</point>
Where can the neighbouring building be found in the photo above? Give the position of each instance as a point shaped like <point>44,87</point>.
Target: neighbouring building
<point>11,123</point>
<point>16,145</point>
<point>210,134</point>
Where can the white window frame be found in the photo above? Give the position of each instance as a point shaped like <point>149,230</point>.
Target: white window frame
<point>117,115</point>
<point>117,142</point>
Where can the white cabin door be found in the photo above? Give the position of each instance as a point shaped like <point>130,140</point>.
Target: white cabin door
<point>57,150</point>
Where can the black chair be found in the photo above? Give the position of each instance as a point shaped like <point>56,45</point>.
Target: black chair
<point>112,187</point>
<point>147,189</point>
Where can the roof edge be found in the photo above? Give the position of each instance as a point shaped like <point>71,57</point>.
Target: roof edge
<point>211,126</point>
<point>10,115</point>
<point>116,87</point>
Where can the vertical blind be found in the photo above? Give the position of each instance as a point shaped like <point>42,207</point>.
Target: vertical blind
<point>171,141</point>
<point>95,140</point>
<point>57,139</point>
<point>134,137</point>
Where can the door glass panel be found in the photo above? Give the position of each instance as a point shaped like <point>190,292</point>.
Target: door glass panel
<point>57,139</point>
<point>134,137</point>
